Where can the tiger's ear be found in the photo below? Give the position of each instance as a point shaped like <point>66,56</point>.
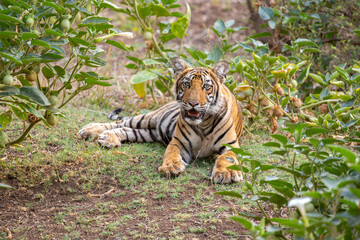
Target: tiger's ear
<point>221,69</point>
<point>179,65</point>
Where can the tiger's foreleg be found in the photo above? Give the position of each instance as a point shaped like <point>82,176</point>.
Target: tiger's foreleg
<point>113,138</point>
<point>221,174</point>
<point>173,163</point>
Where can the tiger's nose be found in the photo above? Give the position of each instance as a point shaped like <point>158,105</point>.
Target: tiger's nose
<point>193,103</point>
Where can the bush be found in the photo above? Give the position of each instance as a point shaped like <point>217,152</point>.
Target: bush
<point>331,24</point>
<point>321,198</point>
<point>47,49</point>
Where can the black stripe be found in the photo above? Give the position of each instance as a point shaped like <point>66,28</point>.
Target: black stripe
<point>223,147</point>
<point>186,150</point>
<point>221,150</point>
<point>220,128</point>
<point>181,125</point>
<point>139,122</point>
<point>187,139</point>
<point>183,158</point>
<point>142,137</point>
<point>216,93</point>
<point>134,132</point>
<point>223,134</point>
<point>151,133</point>
<point>171,125</point>
<point>130,123</point>
<point>216,121</point>
<point>127,137</point>
<point>232,142</point>
<point>195,130</point>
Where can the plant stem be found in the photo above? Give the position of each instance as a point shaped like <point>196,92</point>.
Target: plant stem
<point>320,102</point>
<point>24,134</point>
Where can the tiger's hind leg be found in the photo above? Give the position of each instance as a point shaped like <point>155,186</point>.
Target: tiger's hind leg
<point>113,138</point>
<point>93,130</point>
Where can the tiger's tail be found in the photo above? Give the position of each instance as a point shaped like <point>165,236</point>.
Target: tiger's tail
<point>113,115</point>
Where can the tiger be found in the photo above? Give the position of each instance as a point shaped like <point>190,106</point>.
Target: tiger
<point>204,117</point>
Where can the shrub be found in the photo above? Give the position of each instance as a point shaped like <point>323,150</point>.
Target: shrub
<point>324,186</point>
<point>47,51</point>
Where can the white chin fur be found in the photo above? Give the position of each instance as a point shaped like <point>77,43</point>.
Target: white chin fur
<point>193,122</point>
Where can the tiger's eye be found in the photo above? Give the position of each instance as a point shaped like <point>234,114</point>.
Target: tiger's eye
<point>207,86</point>
<point>186,84</point>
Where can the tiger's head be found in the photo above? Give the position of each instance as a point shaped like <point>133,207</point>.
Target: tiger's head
<point>199,89</point>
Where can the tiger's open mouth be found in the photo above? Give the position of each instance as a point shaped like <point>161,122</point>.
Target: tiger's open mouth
<point>194,115</point>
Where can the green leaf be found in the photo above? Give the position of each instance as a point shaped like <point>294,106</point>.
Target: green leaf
<point>57,8</point>
<point>107,4</point>
<point>159,10</point>
<point>51,57</point>
<point>5,119</point>
<point>342,73</point>
<point>313,131</point>
<point>150,62</point>
<point>272,144</point>
<point>142,76</point>
<point>314,50</point>
<point>47,72</point>
<point>280,138</point>
<point>343,151</point>
<point>265,13</point>
<point>41,43</point>
<point>95,20</point>
<point>55,32</point>
<point>3,185</point>
<point>305,42</point>
<point>262,34</point>
<point>91,81</point>
<point>219,26</point>
<point>10,57</point>
<point>35,95</point>
<point>28,35</point>
<point>215,55</point>
<point>293,223</point>
<point>318,79</point>
<point>246,223</point>
<point>9,19</point>
<point>120,45</point>
<point>9,91</point>
<point>179,27</point>
<point>311,194</point>
<point>278,199</point>
<point>7,34</point>
<point>229,193</point>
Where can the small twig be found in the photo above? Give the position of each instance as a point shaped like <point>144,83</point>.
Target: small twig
<point>100,195</point>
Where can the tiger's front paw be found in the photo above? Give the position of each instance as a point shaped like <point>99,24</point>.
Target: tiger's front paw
<point>91,130</point>
<point>172,168</point>
<point>221,174</point>
<point>226,176</point>
<point>109,139</point>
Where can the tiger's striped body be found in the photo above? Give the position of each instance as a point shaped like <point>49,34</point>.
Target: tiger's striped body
<point>205,116</point>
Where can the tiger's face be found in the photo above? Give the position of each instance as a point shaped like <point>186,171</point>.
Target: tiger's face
<point>198,89</point>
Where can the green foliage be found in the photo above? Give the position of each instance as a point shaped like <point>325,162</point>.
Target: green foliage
<point>153,69</point>
<point>45,47</point>
<point>320,170</point>
<point>330,24</point>
<point>284,87</point>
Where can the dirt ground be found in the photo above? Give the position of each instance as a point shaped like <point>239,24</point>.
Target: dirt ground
<point>108,209</point>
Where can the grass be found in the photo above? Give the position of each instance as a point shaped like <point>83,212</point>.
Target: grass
<point>102,191</point>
